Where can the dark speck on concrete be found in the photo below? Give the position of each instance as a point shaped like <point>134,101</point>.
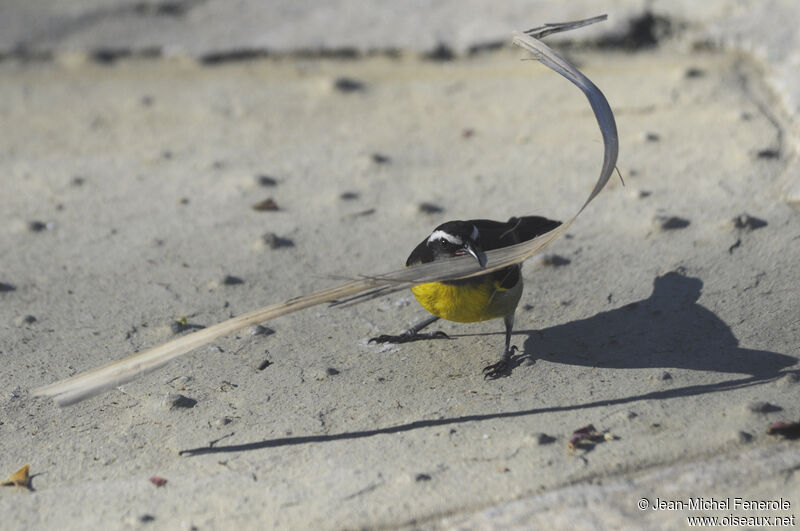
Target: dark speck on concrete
<point>273,241</point>
<point>331,371</point>
<point>349,196</point>
<point>430,208</point>
<point>379,158</point>
<point>147,518</point>
<point>746,222</point>
<point>346,85</point>
<point>671,222</point>
<point>25,320</point>
<point>178,326</point>
<point>543,438</point>
<point>6,287</point>
<point>37,226</point>
<point>231,280</point>
<point>266,180</point>
<point>694,72</point>
<point>423,477</point>
<point>555,260</point>
<point>362,213</point>
<point>762,407</point>
<point>266,205</point>
<point>768,154</point>
<point>77,181</point>
<point>261,330</point>
<point>177,400</point>
<point>442,52</point>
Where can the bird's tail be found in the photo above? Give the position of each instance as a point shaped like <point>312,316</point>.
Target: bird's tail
<point>528,227</point>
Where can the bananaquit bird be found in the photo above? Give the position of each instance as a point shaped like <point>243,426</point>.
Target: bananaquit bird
<point>478,298</point>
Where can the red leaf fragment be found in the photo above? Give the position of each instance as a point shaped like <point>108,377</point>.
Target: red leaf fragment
<point>158,481</point>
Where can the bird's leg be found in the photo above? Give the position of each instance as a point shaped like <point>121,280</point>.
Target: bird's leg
<point>412,334</point>
<point>506,363</point>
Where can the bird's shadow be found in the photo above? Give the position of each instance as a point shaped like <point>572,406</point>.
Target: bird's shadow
<point>669,329</point>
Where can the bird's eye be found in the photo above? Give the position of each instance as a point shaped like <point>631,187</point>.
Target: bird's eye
<point>443,242</point>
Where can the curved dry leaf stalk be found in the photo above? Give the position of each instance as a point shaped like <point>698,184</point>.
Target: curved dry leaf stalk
<point>90,383</point>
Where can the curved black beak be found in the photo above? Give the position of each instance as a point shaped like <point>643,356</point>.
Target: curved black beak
<point>475,251</point>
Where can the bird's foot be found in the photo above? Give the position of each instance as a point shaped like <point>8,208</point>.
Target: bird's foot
<point>407,337</point>
<point>503,367</point>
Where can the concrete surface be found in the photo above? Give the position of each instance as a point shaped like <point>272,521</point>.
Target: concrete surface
<point>139,136</point>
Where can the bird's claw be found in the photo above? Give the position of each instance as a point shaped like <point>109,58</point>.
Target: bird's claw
<point>503,367</point>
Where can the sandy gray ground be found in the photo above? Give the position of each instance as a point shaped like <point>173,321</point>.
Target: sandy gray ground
<point>127,201</point>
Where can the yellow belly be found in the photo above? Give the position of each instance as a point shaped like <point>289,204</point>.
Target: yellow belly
<point>468,303</point>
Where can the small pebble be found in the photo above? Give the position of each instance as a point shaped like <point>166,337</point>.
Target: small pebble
<point>347,85</point>
<point>555,260</point>
<point>430,208</point>
<point>671,222</point>
<point>37,226</point>
<point>758,406</point>
<point>177,400</point>
<point>422,477</point>
<point>625,415</point>
<point>146,518</point>
<point>261,330</point>
<point>266,180</point>
<point>639,194</point>
<point>267,205</point>
<point>362,213</point>
<point>263,365</point>
<point>25,320</point>
<point>349,196</point>
<point>543,438</point>
<point>179,325</point>
<point>231,280</point>
<point>158,481</point>
<point>652,137</point>
<point>377,158</point>
<point>321,375</point>
<point>743,437</point>
<point>441,53</point>
<point>273,241</point>
<point>222,421</point>
<point>694,72</point>
<point>746,222</point>
<point>768,154</point>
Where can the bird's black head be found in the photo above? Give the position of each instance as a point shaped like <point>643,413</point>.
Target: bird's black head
<point>456,238</point>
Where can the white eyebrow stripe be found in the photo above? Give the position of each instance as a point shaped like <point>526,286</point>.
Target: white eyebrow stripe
<point>440,234</point>
<point>474,235</point>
